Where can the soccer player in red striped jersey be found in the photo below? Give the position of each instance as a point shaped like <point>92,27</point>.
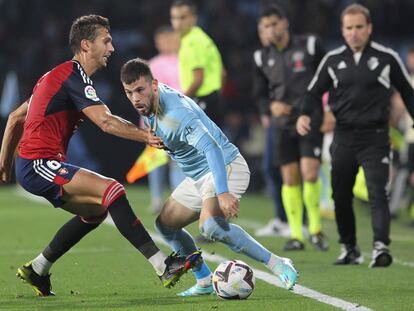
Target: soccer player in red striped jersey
<point>44,124</point>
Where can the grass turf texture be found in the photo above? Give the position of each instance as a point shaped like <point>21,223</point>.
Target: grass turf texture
<point>104,272</point>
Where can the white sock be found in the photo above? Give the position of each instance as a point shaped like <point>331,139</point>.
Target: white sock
<point>41,265</point>
<point>158,262</point>
<point>206,281</point>
<point>273,261</point>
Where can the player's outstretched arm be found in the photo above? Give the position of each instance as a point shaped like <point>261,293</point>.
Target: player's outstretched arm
<point>11,137</point>
<point>115,125</point>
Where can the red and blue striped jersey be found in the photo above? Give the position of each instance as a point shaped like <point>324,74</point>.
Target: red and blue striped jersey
<point>55,111</point>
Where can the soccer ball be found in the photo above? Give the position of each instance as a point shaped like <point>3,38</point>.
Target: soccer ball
<point>233,279</point>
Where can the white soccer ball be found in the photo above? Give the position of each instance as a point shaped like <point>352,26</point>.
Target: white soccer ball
<point>233,279</point>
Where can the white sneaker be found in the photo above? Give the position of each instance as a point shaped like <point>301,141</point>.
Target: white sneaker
<point>381,256</point>
<point>274,228</point>
<point>285,271</point>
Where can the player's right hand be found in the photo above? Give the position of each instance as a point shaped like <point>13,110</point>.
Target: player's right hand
<point>228,204</point>
<point>154,141</point>
<point>303,125</point>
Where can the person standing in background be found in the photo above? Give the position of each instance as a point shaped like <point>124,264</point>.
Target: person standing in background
<point>200,65</point>
<point>165,68</point>
<point>41,128</point>
<point>277,226</point>
<point>360,76</point>
<point>283,70</point>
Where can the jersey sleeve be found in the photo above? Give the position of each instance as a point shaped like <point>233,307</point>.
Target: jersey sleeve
<point>191,130</point>
<point>400,79</point>
<point>260,85</point>
<point>80,89</point>
<point>320,83</point>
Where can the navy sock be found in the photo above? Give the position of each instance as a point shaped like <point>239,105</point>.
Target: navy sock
<point>131,227</point>
<point>67,236</point>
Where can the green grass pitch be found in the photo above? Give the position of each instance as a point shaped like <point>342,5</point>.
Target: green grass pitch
<point>103,272</point>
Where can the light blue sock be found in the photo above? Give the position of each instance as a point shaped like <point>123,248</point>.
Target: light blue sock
<point>218,229</point>
<point>182,242</point>
<point>201,271</point>
<point>178,239</point>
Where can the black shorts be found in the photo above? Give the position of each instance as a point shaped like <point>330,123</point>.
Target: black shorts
<point>212,106</point>
<point>289,146</point>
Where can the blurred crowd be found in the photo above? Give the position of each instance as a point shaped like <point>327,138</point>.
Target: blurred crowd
<point>34,35</point>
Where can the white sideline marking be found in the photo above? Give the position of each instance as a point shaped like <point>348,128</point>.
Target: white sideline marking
<point>244,223</point>
<point>262,275</point>
<point>274,280</point>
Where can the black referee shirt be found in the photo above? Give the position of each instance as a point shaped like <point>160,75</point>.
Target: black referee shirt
<point>359,92</point>
<point>284,75</point>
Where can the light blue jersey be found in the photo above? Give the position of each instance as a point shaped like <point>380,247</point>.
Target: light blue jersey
<point>181,123</point>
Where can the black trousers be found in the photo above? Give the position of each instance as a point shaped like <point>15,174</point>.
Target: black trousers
<point>371,150</point>
<point>212,106</point>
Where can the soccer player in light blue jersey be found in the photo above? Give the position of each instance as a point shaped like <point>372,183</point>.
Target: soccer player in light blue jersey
<point>217,176</point>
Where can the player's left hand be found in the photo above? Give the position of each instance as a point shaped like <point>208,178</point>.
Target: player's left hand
<point>229,204</point>
<point>5,173</point>
<point>155,141</point>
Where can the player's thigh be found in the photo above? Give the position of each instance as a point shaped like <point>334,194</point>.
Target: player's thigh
<point>238,178</point>
<point>176,215</point>
<point>376,162</point>
<point>344,168</point>
<point>310,154</point>
<point>287,149</point>
<point>86,187</point>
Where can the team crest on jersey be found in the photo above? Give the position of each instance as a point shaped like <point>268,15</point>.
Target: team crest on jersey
<point>91,93</point>
<point>298,64</point>
<point>63,171</point>
<point>373,63</point>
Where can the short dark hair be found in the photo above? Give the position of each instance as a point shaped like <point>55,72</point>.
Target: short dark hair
<point>134,69</point>
<point>355,9</point>
<point>163,29</point>
<point>273,9</point>
<point>189,3</point>
<point>86,27</point>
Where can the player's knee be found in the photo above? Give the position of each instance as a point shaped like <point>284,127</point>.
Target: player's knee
<point>112,192</point>
<point>164,230</point>
<point>95,219</point>
<point>215,228</point>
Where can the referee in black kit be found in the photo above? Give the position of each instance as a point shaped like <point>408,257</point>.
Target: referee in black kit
<point>282,72</point>
<point>359,76</point>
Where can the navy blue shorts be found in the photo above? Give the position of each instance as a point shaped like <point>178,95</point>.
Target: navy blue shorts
<point>45,177</point>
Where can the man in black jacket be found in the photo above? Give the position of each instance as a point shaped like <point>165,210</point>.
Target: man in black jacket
<point>282,72</point>
<point>359,77</point>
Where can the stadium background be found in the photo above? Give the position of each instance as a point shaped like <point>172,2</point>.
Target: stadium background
<point>34,39</point>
